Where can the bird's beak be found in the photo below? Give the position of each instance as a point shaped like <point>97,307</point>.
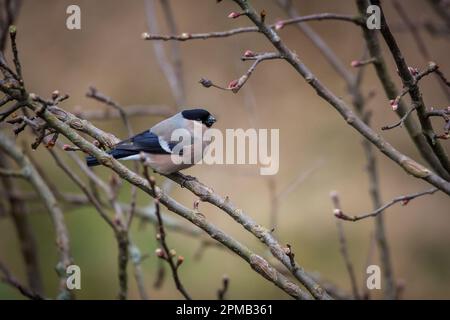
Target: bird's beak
<point>210,121</point>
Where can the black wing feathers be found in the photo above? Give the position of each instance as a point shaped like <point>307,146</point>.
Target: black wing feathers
<point>145,142</point>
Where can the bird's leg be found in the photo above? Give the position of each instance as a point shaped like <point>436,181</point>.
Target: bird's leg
<point>185,178</point>
<point>189,178</point>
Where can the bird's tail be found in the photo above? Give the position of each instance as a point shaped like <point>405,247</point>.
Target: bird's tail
<point>116,153</point>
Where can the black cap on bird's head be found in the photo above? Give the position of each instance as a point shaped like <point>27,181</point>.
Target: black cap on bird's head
<point>201,115</point>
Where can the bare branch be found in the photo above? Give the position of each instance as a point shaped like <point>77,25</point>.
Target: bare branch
<point>344,247</point>
<point>222,291</point>
<point>90,196</point>
<point>278,25</point>
<point>403,199</point>
<point>24,230</point>
<point>95,94</point>
<point>136,258</point>
<point>171,72</point>
<point>414,91</point>
<point>237,84</point>
<point>62,236</point>
<point>205,194</point>
<point>417,76</point>
<point>8,278</point>
<point>391,92</point>
<point>176,54</point>
<point>401,121</point>
<point>409,165</point>
<point>12,173</point>
<point>165,253</point>
<point>8,14</point>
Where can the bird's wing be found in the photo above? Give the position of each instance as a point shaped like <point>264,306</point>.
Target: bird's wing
<point>146,142</point>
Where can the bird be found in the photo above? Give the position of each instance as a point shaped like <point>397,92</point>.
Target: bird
<point>157,146</point>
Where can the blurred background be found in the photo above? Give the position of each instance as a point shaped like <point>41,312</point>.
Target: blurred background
<point>108,52</point>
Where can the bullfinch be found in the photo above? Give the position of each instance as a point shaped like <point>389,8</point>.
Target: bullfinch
<point>158,146</point>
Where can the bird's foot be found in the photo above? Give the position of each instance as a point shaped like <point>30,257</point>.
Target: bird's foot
<point>189,178</point>
<point>186,179</point>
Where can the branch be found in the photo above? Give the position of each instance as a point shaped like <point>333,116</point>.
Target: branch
<point>409,165</point>
<point>8,278</point>
<point>326,51</point>
<point>172,72</point>
<point>80,184</point>
<point>442,12</point>
<point>401,121</point>
<point>62,236</point>
<point>118,226</point>
<point>237,84</point>
<point>8,14</point>
<point>358,101</point>
<point>259,264</point>
<point>24,230</point>
<point>413,90</point>
<point>95,94</point>
<point>165,253</point>
<point>344,249</point>
<point>278,25</point>
<point>12,173</point>
<point>443,78</point>
<point>222,291</point>
<point>403,199</point>
<point>178,91</point>
<point>412,29</point>
<point>206,194</point>
<point>391,92</point>
<point>137,258</point>
<point>416,76</point>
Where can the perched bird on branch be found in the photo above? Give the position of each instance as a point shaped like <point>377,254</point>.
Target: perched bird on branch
<point>162,153</point>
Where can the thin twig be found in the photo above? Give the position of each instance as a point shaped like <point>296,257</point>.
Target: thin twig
<point>178,91</point>
<point>413,29</point>
<point>137,258</point>
<point>417,76</point>
<point>344,248</point>
<point>237,84</point>
<point>401,121</point>
<point>95,94</point>
<point>24,229</point>
<point>370,254</point>
<point>169,70</point>
<point>62,235</point>
<point>90,196</point>
<point>161,236</point>
<point>339,104</point>
<point>264,235</point>
<point>8,278</point>
<point>391,92</point>
<point>8,14</point>
<point>222,291</point>
<point>413,90</point>
<point>12,173</point>
<point>403,199</point>
<point>278,25</point>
